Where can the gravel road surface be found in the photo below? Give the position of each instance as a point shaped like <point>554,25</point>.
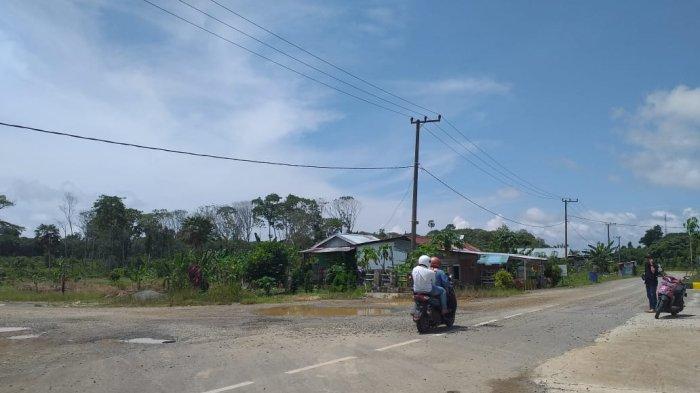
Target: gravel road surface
<point>494,346</point>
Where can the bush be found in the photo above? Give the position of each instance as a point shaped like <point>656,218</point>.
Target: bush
<point>503,279</point>
<point>266,284</point>
<point>271,259</point>
<point>553,272</point>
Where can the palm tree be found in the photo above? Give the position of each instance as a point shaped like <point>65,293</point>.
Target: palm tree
<point>369,254</point>
<point>386,252</point>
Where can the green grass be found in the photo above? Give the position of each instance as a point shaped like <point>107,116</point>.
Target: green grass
<point>102,292</point>
<point>8,293</point>
<point>581,278</point>
<point>487,292</point>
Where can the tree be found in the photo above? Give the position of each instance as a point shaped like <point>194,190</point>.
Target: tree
<point>346,209</point>
<point>267,211</point>
<point>245,219</point>
<point>504,240</point>
<point>5,227</point>
<point>48,237</point>
<point>652,235</point>
<point>386,253</point>
<point>446,239</point>
<point>369,254</point>
<point>68,208</point>
<point>691,226</point>
<point>600,256</point>
<point>196,230</point>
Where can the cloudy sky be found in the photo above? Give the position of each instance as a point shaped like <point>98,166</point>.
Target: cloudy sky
<point>595,100</point>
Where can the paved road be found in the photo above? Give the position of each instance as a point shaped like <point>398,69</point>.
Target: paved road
<point>494,345</point>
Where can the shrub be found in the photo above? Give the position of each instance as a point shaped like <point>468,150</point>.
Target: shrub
<point>503,279</point>
<point>265,283</point>
<point>553,272</point>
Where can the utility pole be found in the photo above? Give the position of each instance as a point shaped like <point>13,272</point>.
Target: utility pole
<point>566,225</point>
<point>607,225</point>
<point>414,214</point>
<point>665,225</point>
<point>619,251</point>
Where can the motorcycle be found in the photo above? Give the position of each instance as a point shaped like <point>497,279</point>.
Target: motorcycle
<point>427,313</point>
<point>670,295</point>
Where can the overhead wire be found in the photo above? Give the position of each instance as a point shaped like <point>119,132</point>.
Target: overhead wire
<point>477,165</point>
<point>275,61</point>
<point>297,46</point>
<point>539,192</point>
<point>300,61</point>
<point>523,180</point>
<point>619,224</point>
<point>454,190</point>
<point>398,205</point>
<point>206,155</point>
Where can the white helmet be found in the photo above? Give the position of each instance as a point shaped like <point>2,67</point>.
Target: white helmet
<point>424,260</point>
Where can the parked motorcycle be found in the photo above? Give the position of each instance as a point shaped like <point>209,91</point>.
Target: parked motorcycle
<point>670,295</point>
<point>427,313</point>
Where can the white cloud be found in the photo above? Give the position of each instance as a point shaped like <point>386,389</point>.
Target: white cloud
<point>690,212</point>
<point>665,132</point>
<point>494,223</point>
<point>508,193</point>
<point>460,223</point>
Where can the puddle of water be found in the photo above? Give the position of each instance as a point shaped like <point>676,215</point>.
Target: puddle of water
<point>312,311</point>
<point>23,337</point>
<point>147,340</point>
<point>12,329</point>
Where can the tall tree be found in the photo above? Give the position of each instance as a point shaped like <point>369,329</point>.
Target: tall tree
<point>652,236</point>
<point>243,214</point>
<point>196,230</point>
<point>68,208</point>
<point>267,211</point>
<point>5,227</point>
<point>691,225</point>
<point>48,237</point>
<point>346,209</point>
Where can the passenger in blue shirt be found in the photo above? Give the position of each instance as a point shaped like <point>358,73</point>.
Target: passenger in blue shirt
<point>441,278</point>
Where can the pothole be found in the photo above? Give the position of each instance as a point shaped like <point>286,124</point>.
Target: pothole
<point>12,329</point>
<point>312,311</point>
<point>148,340</point>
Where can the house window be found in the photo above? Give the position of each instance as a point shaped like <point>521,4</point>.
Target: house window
<point>455,272</point>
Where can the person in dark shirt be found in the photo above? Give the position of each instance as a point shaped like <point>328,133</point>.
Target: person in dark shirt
<point>651,273</point>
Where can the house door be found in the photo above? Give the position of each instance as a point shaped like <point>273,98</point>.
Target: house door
<point>455,272</point>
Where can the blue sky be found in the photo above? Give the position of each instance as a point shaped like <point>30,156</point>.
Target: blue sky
<point>596,100</point>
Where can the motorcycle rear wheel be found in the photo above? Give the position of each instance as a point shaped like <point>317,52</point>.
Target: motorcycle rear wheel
<point>423,324</point>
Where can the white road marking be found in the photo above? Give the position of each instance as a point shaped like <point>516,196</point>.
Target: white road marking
<point>298,370</point>
<point>12,329</point>
<point>485,323</point>
<point>513,315</point>
<point>225,388</point>
<point>398,345</point>
<point>23,337</point>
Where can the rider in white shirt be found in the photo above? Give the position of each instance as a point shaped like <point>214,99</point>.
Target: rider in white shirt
<point>424,281</point>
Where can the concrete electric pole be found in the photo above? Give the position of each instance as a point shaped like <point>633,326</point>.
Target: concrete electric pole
<point>566,225</point>
<point>414,214</point>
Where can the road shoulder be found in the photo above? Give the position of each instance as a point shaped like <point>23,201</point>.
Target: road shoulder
<point>642,355</point>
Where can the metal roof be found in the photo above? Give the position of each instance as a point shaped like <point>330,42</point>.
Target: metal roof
<point>357,239</point>
<point>499,258</point>
<point>328,249</point>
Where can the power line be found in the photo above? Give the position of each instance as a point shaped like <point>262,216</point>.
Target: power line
<point>275,62</point>
<point>543,191</point>
<point>247,160</point>
<point>522,181</point>
<point>398,205</point>
<point>322,59</point>
<point>483,207</point>
<point>620,224</point>
<point>477,165</point>
<point>293,57</point>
